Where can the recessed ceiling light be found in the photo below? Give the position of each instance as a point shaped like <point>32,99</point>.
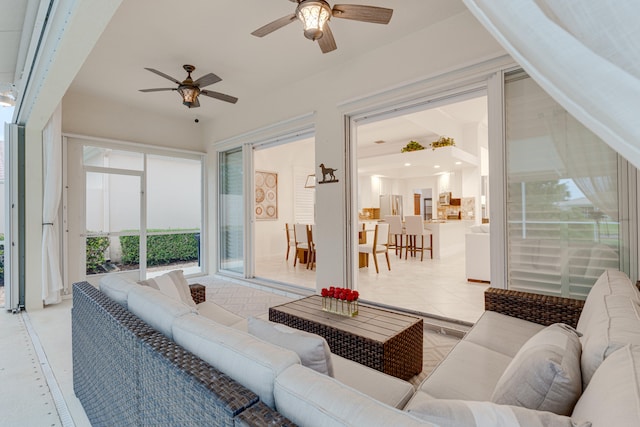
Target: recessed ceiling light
<point>458,163</point>
<point>379,141</point>
<point>407,164</point>
<point>436,166</point>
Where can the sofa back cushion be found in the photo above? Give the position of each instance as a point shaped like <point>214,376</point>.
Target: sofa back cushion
<point>312,349</point>
<point>172,284</point>
<point>248,360</point>
<point>117,287</point>
<point>469,413</point>
<point>545,373</point>
<point>612,397</point>
<point>616,324</point>
<point>611,282</point>
<point>310,399</point>
<point>157,309</point>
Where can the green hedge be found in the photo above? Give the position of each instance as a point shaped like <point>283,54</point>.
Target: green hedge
<point>96,247</point>
<point>161,249</point>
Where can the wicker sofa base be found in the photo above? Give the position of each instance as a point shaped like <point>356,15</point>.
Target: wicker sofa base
<point>127,374</point>
<point>542,309</point>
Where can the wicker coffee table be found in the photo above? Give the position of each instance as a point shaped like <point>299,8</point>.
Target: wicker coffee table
<point>384,340</point>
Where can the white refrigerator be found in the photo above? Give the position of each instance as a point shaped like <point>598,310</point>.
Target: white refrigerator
<point>390,204</point>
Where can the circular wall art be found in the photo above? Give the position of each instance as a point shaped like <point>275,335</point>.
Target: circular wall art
<point>266,189</point>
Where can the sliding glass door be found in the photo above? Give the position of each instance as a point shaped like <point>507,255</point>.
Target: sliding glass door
<point>231,211</point>
<point>563,221</point>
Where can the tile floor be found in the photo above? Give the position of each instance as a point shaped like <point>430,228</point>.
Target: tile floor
<point>35,355</point>
<point>436,287</point>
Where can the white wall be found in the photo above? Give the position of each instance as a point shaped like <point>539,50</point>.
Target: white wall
<point>99,117</point>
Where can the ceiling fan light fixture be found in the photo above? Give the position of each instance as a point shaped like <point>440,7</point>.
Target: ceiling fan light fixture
<point>314,15</point>
<point>189,95</point>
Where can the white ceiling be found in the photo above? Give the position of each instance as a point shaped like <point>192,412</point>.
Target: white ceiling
<point>215,36</point>
<point>12,21</point>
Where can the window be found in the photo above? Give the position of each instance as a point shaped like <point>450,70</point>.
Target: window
<point>563,225</point>
<point>143,209</point>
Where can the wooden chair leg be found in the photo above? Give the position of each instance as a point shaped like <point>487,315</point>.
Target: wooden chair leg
<point>386,254</point>
<point>287,257</point>
<point>375,261</point>
<point>422,249</point>
<point>431,245</point>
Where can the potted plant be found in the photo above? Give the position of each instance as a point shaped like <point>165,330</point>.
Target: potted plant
<point>412,146</point>
<point>443,141</point>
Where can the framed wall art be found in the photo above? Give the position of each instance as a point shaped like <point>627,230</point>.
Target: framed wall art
<point>266,184</point>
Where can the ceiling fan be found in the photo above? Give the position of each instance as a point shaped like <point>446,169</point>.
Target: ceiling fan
<point>190,89</point>
<point>315,16</point>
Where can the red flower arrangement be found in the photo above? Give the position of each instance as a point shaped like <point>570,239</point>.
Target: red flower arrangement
<point>340,300</point>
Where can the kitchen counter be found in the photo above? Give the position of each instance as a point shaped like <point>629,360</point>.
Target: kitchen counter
<point>448,236</point>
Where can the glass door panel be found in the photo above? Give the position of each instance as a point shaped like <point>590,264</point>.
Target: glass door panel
<point>563,223</point>
<point>174,214</point>
<point>231,211</point>
<point>112,222</point>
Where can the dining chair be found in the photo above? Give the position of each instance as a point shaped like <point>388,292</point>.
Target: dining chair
<point>301,237</point>
<point>396,232</point>
<point>291,241</point>
<point>414,229</point>
<point>311,257</point>
<point>378,245</point>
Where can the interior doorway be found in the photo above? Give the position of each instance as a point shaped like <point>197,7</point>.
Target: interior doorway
<point>432,157</point>
<point>284,188</point>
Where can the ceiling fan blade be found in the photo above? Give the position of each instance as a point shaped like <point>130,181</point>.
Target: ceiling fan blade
<point>160,73</point>
<point>207,80</point>
<point>373,14</point>
<point>220,96</point>
<point>158,89</point>
<point>327,43</point>
<point>272,26</point>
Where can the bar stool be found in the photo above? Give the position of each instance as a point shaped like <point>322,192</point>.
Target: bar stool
<point>414,228</point>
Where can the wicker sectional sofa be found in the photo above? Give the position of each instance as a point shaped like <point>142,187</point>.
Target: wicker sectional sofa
<point>133,372</point>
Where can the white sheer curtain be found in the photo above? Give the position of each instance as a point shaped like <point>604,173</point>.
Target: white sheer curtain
<point>591,164</point>
<point>52,173</point>
<point>584,53</point>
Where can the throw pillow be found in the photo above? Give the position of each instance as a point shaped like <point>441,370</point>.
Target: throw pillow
<point>312,349</point>
<point>545,373</point>
<point>616,324</point>
<point>460,413</point>
<point>173,284</point>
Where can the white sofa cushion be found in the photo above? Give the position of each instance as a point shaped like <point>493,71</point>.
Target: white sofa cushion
<point>616,324</point>
<point>219,314</point>
<point>157,309</point>
<point>117,287</point>
<point>612,397</point>
<point>469,372</point>
<point>311,399</point>
<point>384,388</point>
<point>611,282</point>
<point>545,374</point>
<point>465,413</point>
<point>312,349</point>
<point>173,284</point>
<point>501,333</point>
<point>248,360</point>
